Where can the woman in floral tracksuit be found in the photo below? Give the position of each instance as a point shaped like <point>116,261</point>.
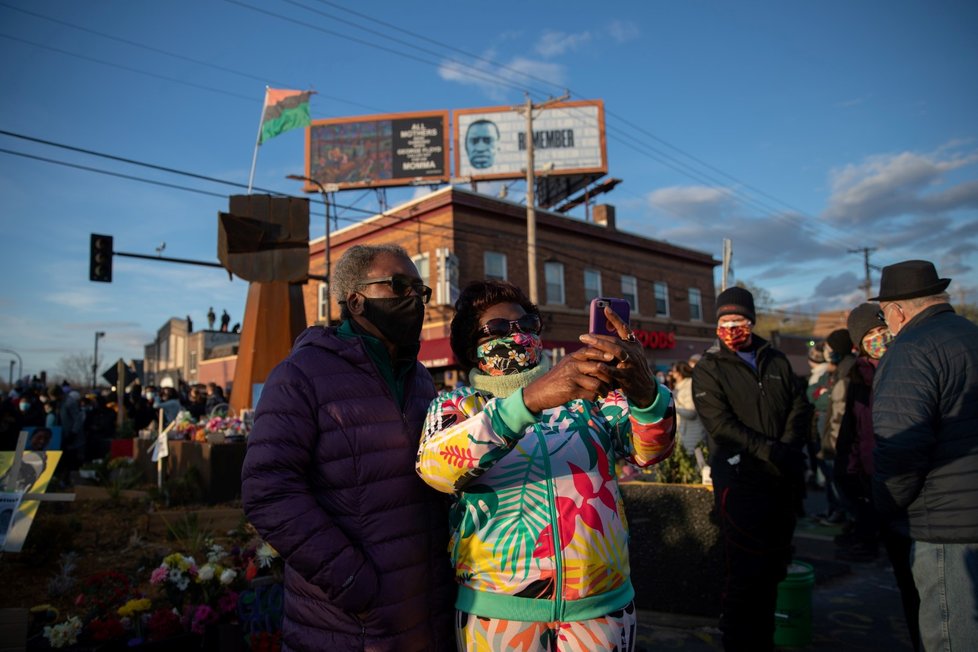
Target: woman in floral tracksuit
<point>539,537</point>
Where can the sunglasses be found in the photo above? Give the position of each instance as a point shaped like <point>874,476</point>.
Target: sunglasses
<point>499,327</point>
<point>401,285</point>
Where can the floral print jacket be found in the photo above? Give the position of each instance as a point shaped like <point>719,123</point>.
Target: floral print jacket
<point>538,524</point>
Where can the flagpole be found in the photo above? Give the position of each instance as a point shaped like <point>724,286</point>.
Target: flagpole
<point>254,157</point>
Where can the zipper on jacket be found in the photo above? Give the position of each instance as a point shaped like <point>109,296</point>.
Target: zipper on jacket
<point>558,606</point>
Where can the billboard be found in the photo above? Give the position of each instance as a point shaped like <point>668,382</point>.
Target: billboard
<point>396,149</point>
<point>568,138</point>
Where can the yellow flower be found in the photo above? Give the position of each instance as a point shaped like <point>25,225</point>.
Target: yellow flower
<point>134,607</point>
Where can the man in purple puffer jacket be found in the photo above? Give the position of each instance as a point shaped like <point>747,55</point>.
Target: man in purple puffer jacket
<point>329,481</point>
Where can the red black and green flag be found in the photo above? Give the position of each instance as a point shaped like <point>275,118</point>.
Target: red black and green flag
<point>284,110</point>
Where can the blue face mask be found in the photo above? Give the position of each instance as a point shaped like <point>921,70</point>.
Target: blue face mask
<point>25,406</point>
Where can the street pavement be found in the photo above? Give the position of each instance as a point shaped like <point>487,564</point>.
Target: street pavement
<point>855,606</point>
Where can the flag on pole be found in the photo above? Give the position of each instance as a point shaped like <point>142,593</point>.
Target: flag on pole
<point>284,110</point>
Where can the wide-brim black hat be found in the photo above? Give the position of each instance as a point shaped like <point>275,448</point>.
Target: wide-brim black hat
<point>909,280</point>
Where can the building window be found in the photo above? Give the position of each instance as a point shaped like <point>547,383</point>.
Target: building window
<point>629,292</point>
<point>495,264</point>
<point>661,299</point>
<point>554,274</point>
<point>592,285</point>
<point>193,365</point>
<point>322,302</point>
<point>424,268</point>
<point>695,305</point>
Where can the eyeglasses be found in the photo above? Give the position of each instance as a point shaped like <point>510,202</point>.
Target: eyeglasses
<point>499,327</point>
<point>881,313</point>
<point>401,285</point>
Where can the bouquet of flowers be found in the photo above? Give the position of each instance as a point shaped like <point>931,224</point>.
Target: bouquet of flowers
<point>203,594</point>
<point>185,427</point>
<point>231,428</point>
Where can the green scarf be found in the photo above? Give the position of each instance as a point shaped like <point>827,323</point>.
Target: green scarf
<point>503,386</point>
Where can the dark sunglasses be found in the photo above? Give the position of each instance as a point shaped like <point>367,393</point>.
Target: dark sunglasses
<point>881,316</point>
<point>401,285</point>
<point>499,327</point>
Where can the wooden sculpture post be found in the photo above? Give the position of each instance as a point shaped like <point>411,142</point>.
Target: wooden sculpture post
<point>265,240</point>
<point>274,317</point>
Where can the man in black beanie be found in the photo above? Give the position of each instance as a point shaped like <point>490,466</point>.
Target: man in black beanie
<point>757,418</point>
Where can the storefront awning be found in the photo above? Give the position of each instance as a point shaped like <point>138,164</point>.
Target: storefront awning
<point>436,353</point>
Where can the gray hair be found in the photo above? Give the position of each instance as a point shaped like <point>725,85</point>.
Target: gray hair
<point>352,268</point>
<point>922,302</point>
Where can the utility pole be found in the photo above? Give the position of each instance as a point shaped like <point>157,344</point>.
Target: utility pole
<point>867,284</point>
<point>727,260</point>
<point>531,216</point>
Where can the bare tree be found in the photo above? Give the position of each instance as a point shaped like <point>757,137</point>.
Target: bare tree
<point>76,368</point>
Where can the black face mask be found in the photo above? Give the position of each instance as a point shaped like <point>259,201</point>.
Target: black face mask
<point>399,319</point>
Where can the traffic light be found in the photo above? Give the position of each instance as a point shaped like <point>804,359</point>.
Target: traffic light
<point>100,261</point>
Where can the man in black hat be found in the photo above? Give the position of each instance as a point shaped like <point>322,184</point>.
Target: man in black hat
<point>925,414</point>
<point>757,419</point>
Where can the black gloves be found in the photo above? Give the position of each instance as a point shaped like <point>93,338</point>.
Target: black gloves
<point>787,460</point>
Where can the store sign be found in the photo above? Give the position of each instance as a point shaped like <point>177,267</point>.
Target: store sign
<point>656,339</point>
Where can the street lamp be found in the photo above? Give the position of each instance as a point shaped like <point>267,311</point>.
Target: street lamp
<point>20,362</point>
<point>12,362</point>
<point>325,193</point>
<point>98,335</point>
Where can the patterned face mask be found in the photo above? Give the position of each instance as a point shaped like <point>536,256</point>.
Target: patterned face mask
<point>509,355</point>
<point>735,337</point>
<point>876,345</point>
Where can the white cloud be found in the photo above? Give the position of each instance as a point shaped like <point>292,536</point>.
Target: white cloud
<point>893,185</point>
<point>496,81</point>
<point>622,31</point>
<point>553,44</point>
<point>693,202</point>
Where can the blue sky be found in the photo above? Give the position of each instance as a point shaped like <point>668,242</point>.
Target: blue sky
<point>800,130</point>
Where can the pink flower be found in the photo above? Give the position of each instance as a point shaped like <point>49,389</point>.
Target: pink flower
<point>159,575</point>
<point>203,616</point>
<point>228,602</point>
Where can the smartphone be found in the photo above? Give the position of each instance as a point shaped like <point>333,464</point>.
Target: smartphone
<point>598,323</point>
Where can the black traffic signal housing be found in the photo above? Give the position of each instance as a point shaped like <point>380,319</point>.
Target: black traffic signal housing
<point>100,260</point>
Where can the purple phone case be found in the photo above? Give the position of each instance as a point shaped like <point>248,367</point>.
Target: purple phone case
<point>598,323</point>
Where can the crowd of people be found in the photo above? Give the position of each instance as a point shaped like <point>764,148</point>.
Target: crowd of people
<point>88,421</point>
<point>490,516</point>
<point>377,489</point>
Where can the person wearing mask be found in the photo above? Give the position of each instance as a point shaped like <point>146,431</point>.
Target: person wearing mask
<point>528,454</point>
<point>925,416</point>
<point>757,421</point>
<point>328,477</point>
<point>169,402</point>
<point>857,437</point>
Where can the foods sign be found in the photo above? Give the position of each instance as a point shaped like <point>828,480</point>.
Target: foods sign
<point>384,150</point>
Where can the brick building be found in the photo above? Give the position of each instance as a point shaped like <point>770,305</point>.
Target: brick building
<point>456,236</point>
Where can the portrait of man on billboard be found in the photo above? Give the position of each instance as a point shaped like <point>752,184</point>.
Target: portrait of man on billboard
<point>480,144</point>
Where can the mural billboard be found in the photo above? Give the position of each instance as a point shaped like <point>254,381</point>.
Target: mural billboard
<point>396,149</point>
<point>568,139</point>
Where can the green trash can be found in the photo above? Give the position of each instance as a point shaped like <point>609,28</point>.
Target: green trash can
<point>793,615</point>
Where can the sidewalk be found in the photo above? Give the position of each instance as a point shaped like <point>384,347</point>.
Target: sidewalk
<point>855,606</point>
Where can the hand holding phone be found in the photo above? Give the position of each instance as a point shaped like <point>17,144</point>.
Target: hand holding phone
<point>598,323</point>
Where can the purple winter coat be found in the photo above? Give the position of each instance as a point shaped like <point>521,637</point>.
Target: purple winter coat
<point>329,481</point>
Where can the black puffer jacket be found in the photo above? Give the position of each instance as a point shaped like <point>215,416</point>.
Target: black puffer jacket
<point>925,414</point>
<point>746,411</point>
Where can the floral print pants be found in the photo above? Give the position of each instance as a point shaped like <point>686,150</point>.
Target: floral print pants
<point>614,632</point>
